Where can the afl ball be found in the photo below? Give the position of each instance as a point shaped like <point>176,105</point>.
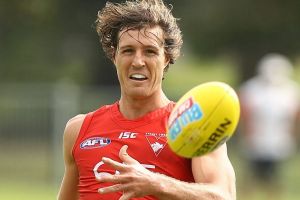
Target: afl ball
<point>203,119</point>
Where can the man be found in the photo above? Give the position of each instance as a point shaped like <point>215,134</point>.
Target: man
<point>142,39</point>
<point>270,120</point>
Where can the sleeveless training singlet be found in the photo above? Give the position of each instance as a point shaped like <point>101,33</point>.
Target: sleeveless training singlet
<point>105,131</point>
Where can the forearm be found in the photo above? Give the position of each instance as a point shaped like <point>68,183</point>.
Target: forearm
<point>169,188</point>
<point>136,181</point>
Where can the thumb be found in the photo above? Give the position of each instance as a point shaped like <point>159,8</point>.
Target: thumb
<point>125,157</point>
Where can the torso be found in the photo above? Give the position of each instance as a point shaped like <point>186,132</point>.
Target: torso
<point>105,131</point>
<point>273,111</point>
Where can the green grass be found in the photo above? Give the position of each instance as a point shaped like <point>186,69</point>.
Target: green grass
<point>249,189</point>
<point>26,190</point>
<point>26,172</point>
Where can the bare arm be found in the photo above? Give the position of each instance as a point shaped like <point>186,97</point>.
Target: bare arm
<point>213,173</point>
<point>214,177</point>
<point>68,189</point>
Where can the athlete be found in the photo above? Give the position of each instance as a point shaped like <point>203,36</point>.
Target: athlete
<point>270,122</point>
<point>119,151</point>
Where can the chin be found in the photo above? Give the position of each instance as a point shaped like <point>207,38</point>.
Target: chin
<point>139,93</point>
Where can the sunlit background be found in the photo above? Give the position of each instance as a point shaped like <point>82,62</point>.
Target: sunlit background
<point>52,67</point>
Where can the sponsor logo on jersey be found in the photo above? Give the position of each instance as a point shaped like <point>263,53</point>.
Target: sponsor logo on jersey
<point>95,142</point>
<point>127,135</point>
<point>157,141</point>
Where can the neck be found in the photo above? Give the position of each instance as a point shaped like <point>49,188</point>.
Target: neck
<point>132,108</point>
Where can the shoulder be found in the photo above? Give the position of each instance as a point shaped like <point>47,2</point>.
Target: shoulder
<point>168,108</point>
<point>72,128</point>
<point>209,166</point>
<point>295,87</point>
<point>251,84</point>
<point>75,123</point>
<point>218,154</point>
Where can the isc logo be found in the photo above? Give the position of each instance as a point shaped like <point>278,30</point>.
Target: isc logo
<point>127,135</point>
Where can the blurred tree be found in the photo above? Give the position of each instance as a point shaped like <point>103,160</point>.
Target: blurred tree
<point>246,29</point>
<point>81,40</point>
<point>49,40</point>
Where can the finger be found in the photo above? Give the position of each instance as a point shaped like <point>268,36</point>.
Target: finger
<point>110,189</point>
<point>125,157</point>
<point>116,165</point>
<point>104,177</point>
<point>108,178</point>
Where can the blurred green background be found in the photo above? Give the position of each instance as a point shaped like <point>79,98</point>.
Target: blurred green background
<point>52,67</point>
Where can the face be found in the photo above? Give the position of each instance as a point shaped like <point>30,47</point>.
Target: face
<point>140,61</point>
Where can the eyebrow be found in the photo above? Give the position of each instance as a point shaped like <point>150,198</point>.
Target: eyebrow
<point>144,46</point>
<point>125,47</point>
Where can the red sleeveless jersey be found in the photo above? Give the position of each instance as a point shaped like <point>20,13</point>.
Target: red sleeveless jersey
<point>105,131</point>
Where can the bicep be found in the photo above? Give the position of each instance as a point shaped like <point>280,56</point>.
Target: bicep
<point>216,169</point>
<point>69,185</point>
<point>69,190</point>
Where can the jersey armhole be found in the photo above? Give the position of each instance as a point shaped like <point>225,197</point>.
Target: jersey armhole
<point>85,124</point>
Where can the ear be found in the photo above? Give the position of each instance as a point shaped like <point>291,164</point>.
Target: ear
<point>167,61</point>
<point>166,68</point>
<point>113,58</point>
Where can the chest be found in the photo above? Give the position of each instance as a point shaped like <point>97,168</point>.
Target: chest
<point>146,141</point>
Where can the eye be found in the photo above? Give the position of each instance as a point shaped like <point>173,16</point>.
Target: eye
<point>127,51</point>
<point>151,52</point>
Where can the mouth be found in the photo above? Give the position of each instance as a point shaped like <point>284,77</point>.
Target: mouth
<point>138,77</point>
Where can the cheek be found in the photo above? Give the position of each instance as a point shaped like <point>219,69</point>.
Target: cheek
<point>120,74</point>
<point>161,69</point>
<point>120,68</point>
<point>159,73</point>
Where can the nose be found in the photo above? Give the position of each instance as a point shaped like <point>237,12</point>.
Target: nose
<point>138,60</point>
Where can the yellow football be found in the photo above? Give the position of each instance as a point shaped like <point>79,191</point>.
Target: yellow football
<point>203,119</point>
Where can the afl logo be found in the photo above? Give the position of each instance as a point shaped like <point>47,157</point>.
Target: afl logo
<point>95,142</point>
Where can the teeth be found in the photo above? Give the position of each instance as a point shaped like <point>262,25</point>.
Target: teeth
<point>138,76</point>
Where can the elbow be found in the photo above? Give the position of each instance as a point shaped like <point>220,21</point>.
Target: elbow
<point>221,196</point>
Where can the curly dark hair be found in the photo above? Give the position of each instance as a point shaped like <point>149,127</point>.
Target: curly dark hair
<point>138,14</point>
